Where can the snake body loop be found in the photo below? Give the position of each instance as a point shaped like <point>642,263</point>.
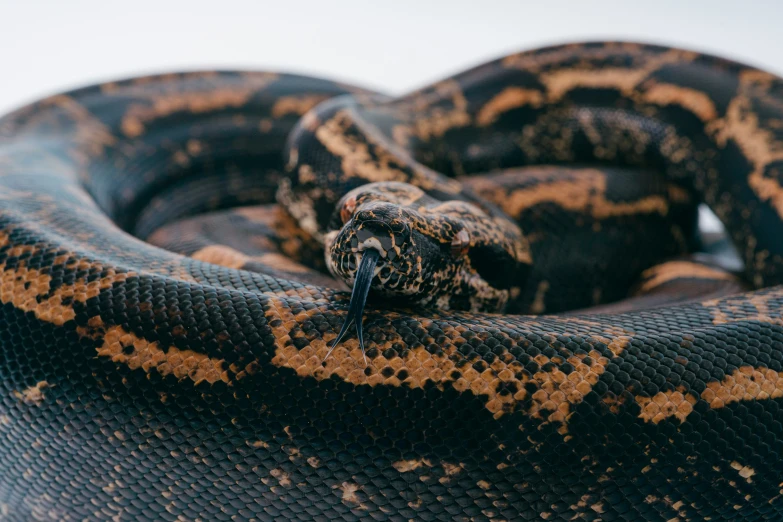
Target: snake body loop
<point>629,377</point>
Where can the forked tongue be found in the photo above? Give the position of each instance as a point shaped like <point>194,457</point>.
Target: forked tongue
<point>361,287</point>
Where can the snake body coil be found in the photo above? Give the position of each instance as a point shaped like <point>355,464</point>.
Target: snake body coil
<point>138,384</point>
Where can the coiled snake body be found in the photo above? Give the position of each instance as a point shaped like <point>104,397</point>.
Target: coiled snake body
<point>138,383</point>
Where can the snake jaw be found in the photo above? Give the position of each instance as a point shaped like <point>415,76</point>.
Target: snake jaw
<point>361,287</point>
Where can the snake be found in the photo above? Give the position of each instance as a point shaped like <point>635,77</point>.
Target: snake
<point>247,295</point>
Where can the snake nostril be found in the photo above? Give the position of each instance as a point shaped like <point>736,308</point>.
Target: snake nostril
<point>388,232</point>
<point>374,230</point>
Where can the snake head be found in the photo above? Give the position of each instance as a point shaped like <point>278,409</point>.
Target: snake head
<point>395,241</point>
<point>447,254</point>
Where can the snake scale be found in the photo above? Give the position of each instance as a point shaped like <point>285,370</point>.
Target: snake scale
<point>191,382</point>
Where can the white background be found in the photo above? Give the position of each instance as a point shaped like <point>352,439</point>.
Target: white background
<point>393,45</point>
<point>48,46</point>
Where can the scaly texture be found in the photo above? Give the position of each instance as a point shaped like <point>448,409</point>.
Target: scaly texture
<point>138,384</point>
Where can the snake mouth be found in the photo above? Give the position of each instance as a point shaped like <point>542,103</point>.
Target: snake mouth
<point>361,287</point>
<point>371,243</point>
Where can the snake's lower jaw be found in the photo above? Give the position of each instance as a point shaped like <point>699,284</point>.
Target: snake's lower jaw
<point>361,287</point>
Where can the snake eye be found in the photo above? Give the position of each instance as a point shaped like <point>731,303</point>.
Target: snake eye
<point>346,213</point>
<point>460,243</point>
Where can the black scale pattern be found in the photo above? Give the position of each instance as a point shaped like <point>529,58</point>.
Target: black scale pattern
<point>136,384</point>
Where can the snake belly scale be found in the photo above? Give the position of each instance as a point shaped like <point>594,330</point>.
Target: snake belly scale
<point>191,382</point>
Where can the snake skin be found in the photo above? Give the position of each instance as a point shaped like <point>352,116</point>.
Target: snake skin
<point>140,384</point>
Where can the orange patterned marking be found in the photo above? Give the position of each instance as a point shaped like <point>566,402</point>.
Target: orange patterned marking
<point>221,255</point>
<point>24,287</point>
<point>760,146</point>
<point>662,405</point>
<point>746,307</point>
<point>33,395</point>
<point>624,79</point>
<point>439,120</point>
<point>89,135</point>
<point>536,61</point>
<point>159,105</point>
<point>666,272</point>
<point>695,101</point>
<point>744,384</point>
<point>228,257</point>
<point>509,98</point>
<point>126,348</point>
<point>502,383</point>
<point>296,104</point>
<point>381,165</point>
<point>584,193</point>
